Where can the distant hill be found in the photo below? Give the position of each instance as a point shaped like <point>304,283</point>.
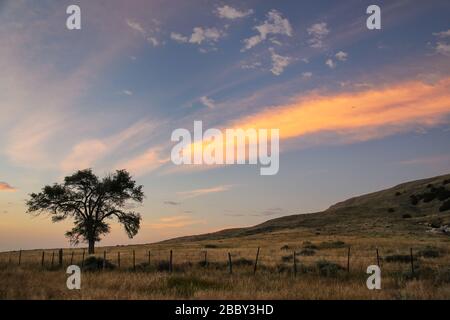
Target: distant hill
<point>414,207</point>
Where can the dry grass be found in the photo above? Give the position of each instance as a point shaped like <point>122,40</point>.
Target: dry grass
<point>273,280</point>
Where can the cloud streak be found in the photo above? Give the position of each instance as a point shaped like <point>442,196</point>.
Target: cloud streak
<point>359,116</point>
<point>6,187</point>
<point>201,192</point>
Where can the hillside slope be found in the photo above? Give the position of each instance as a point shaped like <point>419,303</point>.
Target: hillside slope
<point>414,207</point>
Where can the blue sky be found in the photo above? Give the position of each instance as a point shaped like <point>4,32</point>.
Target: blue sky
<point>109,95</point>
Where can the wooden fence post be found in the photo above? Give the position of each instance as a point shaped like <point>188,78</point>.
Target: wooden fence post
<point>82,259</point>
<point>71,258</point>
<point>378,258</point>
<point>149,257</point>
<point>412,262</point>
<point>134,261</point>
<point>206,258</point>
<point>20,257</point>
<point>43,259</point>
<point>104,259</point>
<point>256,261</point>
<point>60,258</point>
<point>171,261</point>
<point>229,263</point>
<point>118,259</point>
<point>295,264</point>
<point>348,260</point>
<point>53,258</point>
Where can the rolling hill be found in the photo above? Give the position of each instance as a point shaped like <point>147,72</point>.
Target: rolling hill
<point>414,208</point>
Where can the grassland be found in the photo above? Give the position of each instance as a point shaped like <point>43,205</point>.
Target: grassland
<point>386,220</point>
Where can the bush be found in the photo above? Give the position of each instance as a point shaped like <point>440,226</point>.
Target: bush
<point>398,193</point>
<point>429,252</point>
<point>445,206</point>
<point>309,245</point>
<point>442,194</point>
<point>288,258</point>
<point>211,246</point>
<point>307,252</point>
<point>391,210</point>
<point>332,244</point>
<point>406,216</point>
<point>242,262</point>
<point>285,247</point>
<point>446,181</point>
<point>328,269</point>
<point>414,200</point>
<point>403,258</point>
<point>94,264</point>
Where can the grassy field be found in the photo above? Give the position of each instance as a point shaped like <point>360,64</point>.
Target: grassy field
<point>321,270</point>
<point>387,220</point>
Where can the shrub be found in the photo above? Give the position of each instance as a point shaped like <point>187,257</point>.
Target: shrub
<point>211,246</point>
<point>403,258</point>
<point>446,181</point>
<point>391,210</point>
<point>442,194</point>
<point>328,269</point>
<point>332,244</point>
<point>242,262</point>
<point>307,252</point>
<point>429,252</point>
<point>94,264</point>
<point>288,258</point>
<point>285,247</point>
<point>398,193</point>
<point>414,199</point>
<point>311,247</point>
<point>406,216</point>
<point>445,206</point>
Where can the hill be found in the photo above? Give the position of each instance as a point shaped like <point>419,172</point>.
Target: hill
<point>412,208</point>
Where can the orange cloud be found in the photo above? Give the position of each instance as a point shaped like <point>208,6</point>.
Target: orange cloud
<point>146,162</point>
<point>201,192</point>
<point>362,115</point>
<point>174,222</point>
<point>6,187</point>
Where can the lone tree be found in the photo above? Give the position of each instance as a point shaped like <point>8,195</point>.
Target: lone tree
<point>91,202</point>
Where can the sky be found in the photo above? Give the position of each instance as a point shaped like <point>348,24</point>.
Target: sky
<point>358,110</point>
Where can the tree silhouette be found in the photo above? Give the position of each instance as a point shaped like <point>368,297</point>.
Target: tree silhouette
<point>90,201</point>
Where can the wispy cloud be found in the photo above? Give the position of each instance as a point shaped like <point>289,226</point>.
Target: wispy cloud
<point>318,32</point>
<point>199,36</point>
<point>443,48</point>
<point>146,162</point>
<point>431,160</point>
<point>172,203</point>
<point>358,116</point>
<point>341,56</point>
<point>86,153</point>
<point>442,34</point>
<point>279,62</point>
<point>275,24</point>
<point>180,221</point>
<point>5,187</point>
<point>330,63</point>
<point>208,102</point>
<point>149,35</point>
<point>227,12</point>
<point>202,192</point>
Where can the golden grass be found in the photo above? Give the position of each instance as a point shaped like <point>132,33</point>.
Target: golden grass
<point>190,280</point>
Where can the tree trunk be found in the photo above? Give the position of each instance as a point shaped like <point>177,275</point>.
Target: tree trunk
<point>91,246</point>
